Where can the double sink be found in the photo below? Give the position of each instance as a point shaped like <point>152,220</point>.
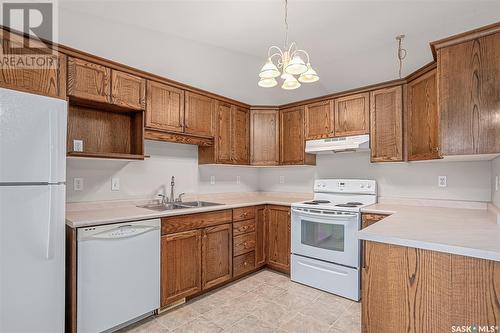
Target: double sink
<point>179,205</point>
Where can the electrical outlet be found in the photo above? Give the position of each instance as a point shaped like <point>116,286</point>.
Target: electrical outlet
<point>282,179</point>
<point>78,184</point>
<point>442,181</point>
<point>238,180</point>
<point>77,145</point>
<point>115,184</point>
<point>212,180</point>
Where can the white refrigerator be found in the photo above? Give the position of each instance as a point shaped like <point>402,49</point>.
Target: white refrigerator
<point>32,212</point>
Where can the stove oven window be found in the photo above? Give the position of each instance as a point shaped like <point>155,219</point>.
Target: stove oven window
<point>322,235</point>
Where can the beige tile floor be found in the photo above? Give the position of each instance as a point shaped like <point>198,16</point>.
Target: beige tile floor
<point>262,302</point>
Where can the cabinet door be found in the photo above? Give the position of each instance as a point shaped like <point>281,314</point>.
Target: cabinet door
<point>180,265</point>
<point>352,115</point>
<point>469,96</point>
<point>165,107</point>
<point>422,118</point>
<point>292,136</point>
<point>279,238</point>
<point>199,115</point>
<point>319,120</point>
<point>224,133</point>
<point>89,81</point>
<point>260,236</point>
<point>240,135</point>
<point>217,264</point>
<point>386,115</point>
<point>128,90</point>
<point>264,137</point>
<point>48,81</point>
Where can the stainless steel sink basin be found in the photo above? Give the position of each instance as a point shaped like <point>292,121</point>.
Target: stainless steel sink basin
<point>198,204</point>
<point>162,207</point>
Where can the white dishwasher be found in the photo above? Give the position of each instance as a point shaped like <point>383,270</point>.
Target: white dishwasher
<point>118,274</point>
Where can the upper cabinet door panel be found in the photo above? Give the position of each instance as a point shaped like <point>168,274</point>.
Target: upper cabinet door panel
<point>224,133</point>
<point>89,81</point>
<point>292,136</point>
<point>319,120</point>
<point>128,91</point>
<point>469,96</point>
<point>240,137</point>
<point>264,137</point>
<point>352,115</point>
<point>199,115</point>
<point>165,107</point>
<point>48,81</point>
<point>422,118</point>
<point>386,115</point>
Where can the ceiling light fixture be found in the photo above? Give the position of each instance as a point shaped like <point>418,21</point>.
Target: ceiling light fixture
<point>288,64</point>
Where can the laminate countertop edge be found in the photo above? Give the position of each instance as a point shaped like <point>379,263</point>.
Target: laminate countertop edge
<point>466,232</point>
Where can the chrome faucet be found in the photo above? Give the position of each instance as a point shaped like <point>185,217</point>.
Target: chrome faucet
<point>179,197</point>
<point>172,184</point>
<point>164,198</point>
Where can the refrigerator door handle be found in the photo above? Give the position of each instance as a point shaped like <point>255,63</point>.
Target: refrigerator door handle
<point>53,214</point>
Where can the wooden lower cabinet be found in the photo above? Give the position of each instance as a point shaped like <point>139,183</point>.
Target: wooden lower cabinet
<point>413,290</point>
<point>260,236</point>
<point>279,238</point>
<point>217,263</point>
<point>180,265</point>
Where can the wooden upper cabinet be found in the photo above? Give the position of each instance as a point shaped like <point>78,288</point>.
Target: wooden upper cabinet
<point>180,265</point>
<point>386,117</point>
<point>164,107</point>
<point>469,96</point>
<point>264,137</point>
<point>48,81</point>
<point>128,91</point>
<point>292,136</point>
<point>199,115</point>
<point>279,238</point>
<point>422,123</point>
<point>224,133</point>
<point>319,120</point>
<point>89,81</point>
<point>240,121</point>
<point>352,115</point>
<point>217,257</point>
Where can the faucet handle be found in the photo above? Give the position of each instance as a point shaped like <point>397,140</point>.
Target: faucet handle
<point>163,197</point>
<point>179,197</point>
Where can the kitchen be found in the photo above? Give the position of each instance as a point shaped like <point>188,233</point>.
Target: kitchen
<point>172,200</point>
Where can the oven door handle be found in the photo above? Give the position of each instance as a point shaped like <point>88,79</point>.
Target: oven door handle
<point>339,216</point>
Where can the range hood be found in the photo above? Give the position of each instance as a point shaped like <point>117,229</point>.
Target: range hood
<point>337,145</point>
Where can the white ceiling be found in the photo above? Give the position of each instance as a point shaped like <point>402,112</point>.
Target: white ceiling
<point>221,45</point>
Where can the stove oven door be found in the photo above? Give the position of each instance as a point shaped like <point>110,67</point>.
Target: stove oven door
<point>326,235</point>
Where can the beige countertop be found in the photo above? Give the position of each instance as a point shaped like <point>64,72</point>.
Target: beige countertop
<point>462,231</point>
<point>86,214</point>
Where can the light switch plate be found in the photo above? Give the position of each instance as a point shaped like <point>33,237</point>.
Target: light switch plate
<point>115,184</point>
<point>442,181</point>
<point>78,184</point>
<point>78,145</point>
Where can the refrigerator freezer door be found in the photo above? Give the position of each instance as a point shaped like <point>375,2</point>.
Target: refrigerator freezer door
<point>32,238</point>
<point>32,138</point>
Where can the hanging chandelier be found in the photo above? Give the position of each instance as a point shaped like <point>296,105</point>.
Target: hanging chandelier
<point>288,65</point>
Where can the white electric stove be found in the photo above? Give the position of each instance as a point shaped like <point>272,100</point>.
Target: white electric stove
<point>325,248</point>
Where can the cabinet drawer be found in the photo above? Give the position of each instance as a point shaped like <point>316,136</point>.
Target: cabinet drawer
<point>243,213</point>
<point>243,243</point>
<point>243,227</point>
<point>243,263</point>
<point>174,224</point>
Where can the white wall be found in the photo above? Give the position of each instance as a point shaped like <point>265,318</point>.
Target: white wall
<point>144,179</point>
<point>495,171</point>
<point>466,180</point>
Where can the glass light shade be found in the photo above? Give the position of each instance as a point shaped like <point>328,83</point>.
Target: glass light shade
<point>296,66</point>
<point>267,83</point>
<point>309,76</point>
<point>269,70</point>
<point>290,83</point>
